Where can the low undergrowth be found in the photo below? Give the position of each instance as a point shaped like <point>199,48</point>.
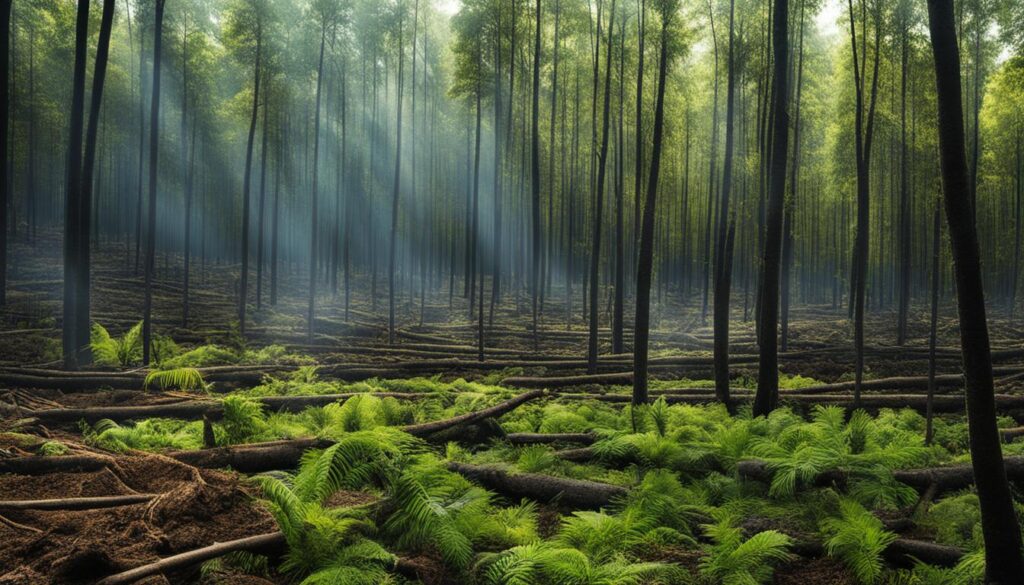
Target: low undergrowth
<point>689,517</point>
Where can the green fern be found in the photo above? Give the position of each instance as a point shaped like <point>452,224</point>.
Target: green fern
<point>731,560</point>
<point>111,351</point>
<point>181,378</point>
<point>859,539</point>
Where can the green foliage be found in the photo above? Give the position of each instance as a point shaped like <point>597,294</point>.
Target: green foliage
<point>733,560</point>
<point>111,351</point>
<point>243,418</point>
<point>180,378</point>
<point>53,448</point>
<point>149,435</point>
<point>858,538</point>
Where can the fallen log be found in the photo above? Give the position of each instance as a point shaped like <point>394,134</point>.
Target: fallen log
<point>905,552</point>
<point>273,540</point>
<point>942,404</point>
<point>86,503</point>
<point>546,438</point>
<point>428,428</point>
<point>563,381</point>
<point>42,464</point>
<point>936,479</point>
<point>254,458</point>
<point>258,457</point>
<point>197,409</point>
<point>574,493</point>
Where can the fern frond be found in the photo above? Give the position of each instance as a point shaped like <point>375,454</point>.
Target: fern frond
<point>181,378</point>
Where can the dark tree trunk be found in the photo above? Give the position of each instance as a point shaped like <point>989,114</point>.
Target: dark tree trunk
<point>999,523</point>
<point>395,195</point>
<point>595,249</point>
<point>904,215</point>
<point>723,255</point>
<point>73,192</point>
<point>5,34</point>
<point>934,322</point>
<point>645,260</point>
<point>82,292</point>
<point>154,145</point>
<point>535,181</point>
<point>316,185</point>
<point>768,369</point>
<point>261,211</point>
<point>243,290</point>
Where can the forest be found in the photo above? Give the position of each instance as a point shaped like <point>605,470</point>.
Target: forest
<point>511,292</point>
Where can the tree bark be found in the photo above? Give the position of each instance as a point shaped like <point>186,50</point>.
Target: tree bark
<point>768,371</point>
<point>646,257</point>
<point>999,522</point>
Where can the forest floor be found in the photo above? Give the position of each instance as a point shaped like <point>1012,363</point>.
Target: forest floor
<point>175,455</point>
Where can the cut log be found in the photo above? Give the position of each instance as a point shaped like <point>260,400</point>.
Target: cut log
<point>92,503</point>
<point>273,540</point>
<point>939,479</point>
<point>942,404</point>
<point>573,493</point>
<point>254,458</point>
<point>258,457</point>
<point>40,464</point>
<point>955,477</point>
<point>905,552</point>
<point>429,428</point>
<point>546,438</point>
<point>563,381</point>
<point>197,409</point>
<point>576,455</point>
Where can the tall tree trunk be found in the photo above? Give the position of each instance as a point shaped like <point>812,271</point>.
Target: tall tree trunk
<point>863,140</point>
<point>595,248</point>
<point>999,522</point>
<point>5,34</point>
<point>904,216</point>
<point>723,270</point>
<point>617,311</point>
<point>261,211</point>
<point>535,181</point>
<point>243,289</point>
<point>396,193</point>
<point>645,264</point>
<point>789,217</point>
<point>73,190</point>
<point>316,184</point>
<point>154,146</point>
<point>83,296</point>
<point>767,396</point>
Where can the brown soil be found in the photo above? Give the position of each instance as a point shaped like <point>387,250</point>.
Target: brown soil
<point>82,546</point>
<point>823,571</point>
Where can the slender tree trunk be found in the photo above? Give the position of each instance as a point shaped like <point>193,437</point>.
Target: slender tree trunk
<point>934,322</point>
<point>617,311</point>
<point>904,216</point>
<point>535,181</point>
<point>768,368</point>
<point>723,270</point>
<point>999,522</point>
<point>83,296</point>
<point>243,290</point>
<point>5,195</point>
<point>789,217</point>
<point>396,194</point>
<point>645,259</point>
<point>154,145</point>
<point>73,190</point>
<point>315,195</point>
<point>261,212</point>
<point>595,249</point>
